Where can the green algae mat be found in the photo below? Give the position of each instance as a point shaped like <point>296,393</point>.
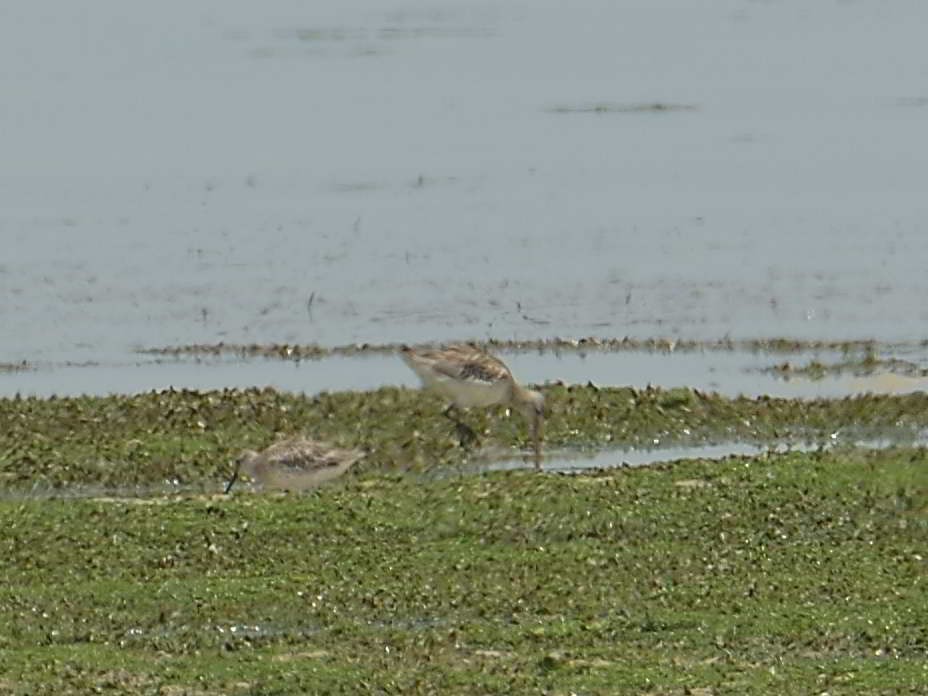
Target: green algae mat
<point>790,573</point>
<point>189,438</point>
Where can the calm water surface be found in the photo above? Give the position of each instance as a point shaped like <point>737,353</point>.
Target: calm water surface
<point>185,172</point>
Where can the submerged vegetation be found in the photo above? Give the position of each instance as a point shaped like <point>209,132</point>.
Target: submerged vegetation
<point>867,363</point>
<point>313,351</point>
<point>781,573</point>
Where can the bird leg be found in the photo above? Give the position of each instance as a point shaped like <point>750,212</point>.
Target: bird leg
<point>537,434</point>
<point>466,434</point>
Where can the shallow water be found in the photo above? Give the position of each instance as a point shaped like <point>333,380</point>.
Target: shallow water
<point>405,171</point>
<point>577,462</point>
<point>731,373</point>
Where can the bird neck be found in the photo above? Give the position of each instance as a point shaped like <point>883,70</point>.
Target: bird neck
<point>519,394</point>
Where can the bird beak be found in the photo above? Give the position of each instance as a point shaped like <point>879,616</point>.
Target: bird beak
<point>233,479</point>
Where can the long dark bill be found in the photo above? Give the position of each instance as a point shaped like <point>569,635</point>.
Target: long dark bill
<point>233,479</point>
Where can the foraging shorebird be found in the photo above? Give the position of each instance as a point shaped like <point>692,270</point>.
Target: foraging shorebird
<point>295,464</point>
<point>468,377</point>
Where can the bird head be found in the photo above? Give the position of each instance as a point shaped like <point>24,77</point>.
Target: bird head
<point>245,464</point>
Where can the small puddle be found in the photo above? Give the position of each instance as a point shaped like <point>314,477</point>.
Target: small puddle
<point>572,461</point>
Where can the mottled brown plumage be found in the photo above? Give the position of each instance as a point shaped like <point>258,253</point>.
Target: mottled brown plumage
<point>469,377</point>
<point>296,463</point>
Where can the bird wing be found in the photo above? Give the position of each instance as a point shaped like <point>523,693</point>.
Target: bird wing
<point>338,457</point>
<point>303,453</point>
<point>465,362</point>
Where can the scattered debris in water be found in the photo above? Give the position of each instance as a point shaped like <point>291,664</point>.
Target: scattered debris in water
<point>868,364</point>
<point>313,351</point>
<point>613,108</point>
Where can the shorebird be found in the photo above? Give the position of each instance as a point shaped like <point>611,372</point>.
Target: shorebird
<point>469,377</point>
<point>295,464</point>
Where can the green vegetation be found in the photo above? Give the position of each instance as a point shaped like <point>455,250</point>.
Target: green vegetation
<point>191,437</point>
<point>864,364</point>
<point>793,573</point>
<point>781,575</point>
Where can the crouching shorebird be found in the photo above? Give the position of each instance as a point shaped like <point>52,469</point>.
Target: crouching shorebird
<point>295,464</point>
<point>468,377</point>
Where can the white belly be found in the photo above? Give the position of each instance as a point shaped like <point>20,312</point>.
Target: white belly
<point>469,394</point>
